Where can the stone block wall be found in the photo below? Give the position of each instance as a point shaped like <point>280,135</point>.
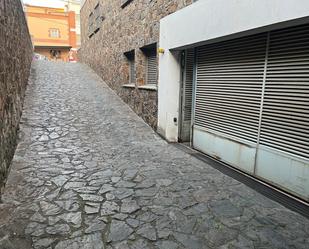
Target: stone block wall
<point>15,62</point>
<point>126,25</point>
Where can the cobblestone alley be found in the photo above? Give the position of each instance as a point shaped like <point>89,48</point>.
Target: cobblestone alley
<point>88,173</point>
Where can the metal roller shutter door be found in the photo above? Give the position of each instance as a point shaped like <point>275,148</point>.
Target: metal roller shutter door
<point>229,87</point>
<point>188,85</point>
<point>285,117</point>
<point>283,149</point>
<point>252,105</point>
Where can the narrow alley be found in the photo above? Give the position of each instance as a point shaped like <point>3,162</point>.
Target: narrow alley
<point>88,173</point>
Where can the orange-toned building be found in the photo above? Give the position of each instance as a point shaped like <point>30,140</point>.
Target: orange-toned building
<point>52,31</point>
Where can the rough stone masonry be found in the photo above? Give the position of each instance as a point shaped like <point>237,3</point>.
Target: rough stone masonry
<point>15,62</point>
<point>125,29</point>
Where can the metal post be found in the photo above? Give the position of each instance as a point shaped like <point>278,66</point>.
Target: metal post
<point>262,102</point>
<point>194,86</point>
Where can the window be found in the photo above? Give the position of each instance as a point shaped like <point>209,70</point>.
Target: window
<point>90,24</point>
<point>132,72</point>
<point>97,16</point>
<point>54,33</point>
<point>55,54</point>
<point>94,21</point>
<point>150,52</point>
<point>152,68</point>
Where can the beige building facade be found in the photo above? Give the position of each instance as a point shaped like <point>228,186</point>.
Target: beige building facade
<point>120,42</point>
<point>52,31</point>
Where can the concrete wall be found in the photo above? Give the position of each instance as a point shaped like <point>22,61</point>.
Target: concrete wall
<point>123,30</point>
<point>208,21</point>
<point>15,62</point>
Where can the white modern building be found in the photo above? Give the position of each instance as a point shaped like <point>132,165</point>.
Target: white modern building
<point>234,82</point>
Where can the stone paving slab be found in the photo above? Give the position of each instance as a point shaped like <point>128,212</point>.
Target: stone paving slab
<point>89,174</point>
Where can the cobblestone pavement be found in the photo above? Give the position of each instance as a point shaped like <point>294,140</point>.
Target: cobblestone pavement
<point>89,174</point>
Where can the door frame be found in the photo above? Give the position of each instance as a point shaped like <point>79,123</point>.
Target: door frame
<point>194,85</point>
<point>183,64</point>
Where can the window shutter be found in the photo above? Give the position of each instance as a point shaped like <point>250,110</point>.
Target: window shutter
<point>132,72</point>
<point>152,70</point>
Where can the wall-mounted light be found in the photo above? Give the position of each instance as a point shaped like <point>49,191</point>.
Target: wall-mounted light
<point>161,50</point>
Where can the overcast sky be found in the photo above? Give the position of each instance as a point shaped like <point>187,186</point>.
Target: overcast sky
<point>48,3</point>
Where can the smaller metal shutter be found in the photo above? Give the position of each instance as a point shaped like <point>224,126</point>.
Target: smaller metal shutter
<point>188,84</point>
<point>132,71</point>
<point>152,68</point>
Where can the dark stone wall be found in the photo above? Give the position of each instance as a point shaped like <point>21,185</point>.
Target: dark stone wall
<point>15,62</point>
<point>124,29</point>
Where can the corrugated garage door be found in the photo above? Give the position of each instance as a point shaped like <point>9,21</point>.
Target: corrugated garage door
<point>285,120</point>
<point>252,105</point>
<point>229,87</point>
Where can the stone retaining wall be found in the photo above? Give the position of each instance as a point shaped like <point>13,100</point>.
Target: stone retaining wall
<point>15,62</point>
<point>126,25</point>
